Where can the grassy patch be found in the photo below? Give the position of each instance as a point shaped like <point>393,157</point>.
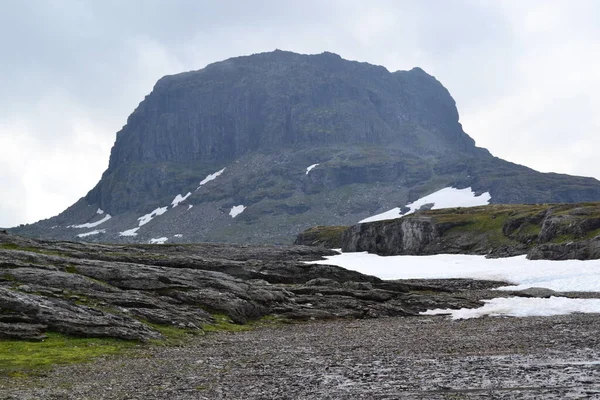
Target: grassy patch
<point>23,358</point>
<point>13,246</point>
<point>71,269</point>
<point>592,234</point>
<point>328,236</point>
<point>224,324</point>
<point>9,246</point>
<point>173,335</point>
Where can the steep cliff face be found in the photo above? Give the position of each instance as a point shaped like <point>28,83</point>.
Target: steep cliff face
<point>259,148</point>
<point>282,99</point>
<point>559,232</point>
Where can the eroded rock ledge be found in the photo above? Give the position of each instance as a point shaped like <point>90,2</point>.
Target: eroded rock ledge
<point>121,290</point>
<point>555,232</point>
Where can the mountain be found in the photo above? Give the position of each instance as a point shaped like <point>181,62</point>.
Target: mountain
<point>258,148</point>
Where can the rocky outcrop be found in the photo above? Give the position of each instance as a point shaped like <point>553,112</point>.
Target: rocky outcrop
<point>293,141</point>
<point>555,232</point>
<point>329,237</point>
<point>578,250</point>
<point>120,290</point>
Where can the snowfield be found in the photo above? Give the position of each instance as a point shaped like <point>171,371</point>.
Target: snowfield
<point>563,276</point>
<point>160,240</point>
<point>129,232</point>
<point>524,307</point>
<point>445,198</point>
<point>144,219</point>
<point>179,198</point>
<point>211,177</point>
<point>236,210</point>
<point>91,224</point>
<point>92,233</point>
<point>310,168</point>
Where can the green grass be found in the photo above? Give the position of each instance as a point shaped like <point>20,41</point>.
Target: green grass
<point>330,236</point>
<point>22,358</point>
<point>72,269</point>
<point>13,246</point>
<point>592,234</point>
<point>224,324</point>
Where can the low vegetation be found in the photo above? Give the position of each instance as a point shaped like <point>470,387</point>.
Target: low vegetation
<point>23,358</point>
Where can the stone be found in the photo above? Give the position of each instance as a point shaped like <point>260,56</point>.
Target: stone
<point>115,291</point>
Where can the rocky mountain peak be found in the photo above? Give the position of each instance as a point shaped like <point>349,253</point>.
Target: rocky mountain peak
<point>289,141</point>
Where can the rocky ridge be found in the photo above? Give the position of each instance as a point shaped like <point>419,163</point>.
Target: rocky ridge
<point>255,149</point>
<point>121,290</point>
<point>555,232</point>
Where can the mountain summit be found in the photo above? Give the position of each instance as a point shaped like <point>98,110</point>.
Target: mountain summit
<point>261,147</point>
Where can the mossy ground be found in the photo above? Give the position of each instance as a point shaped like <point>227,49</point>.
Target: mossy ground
<point>23,358</point>
<point>19,358</point>
<point>488,224</point>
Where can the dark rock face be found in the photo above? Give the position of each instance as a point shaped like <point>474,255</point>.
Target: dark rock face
<point>555,232</point>
<point>375,139</point>
<point>114,291</point>
<point>581,250</point>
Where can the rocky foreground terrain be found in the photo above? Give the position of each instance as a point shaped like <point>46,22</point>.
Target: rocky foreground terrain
<point>340,335</point>
<point>390,358</point>
<point>117,291</point>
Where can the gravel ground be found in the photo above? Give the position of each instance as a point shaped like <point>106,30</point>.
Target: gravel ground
<point>392,358</point>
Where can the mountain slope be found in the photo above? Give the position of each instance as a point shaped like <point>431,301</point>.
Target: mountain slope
<point>258,148</point>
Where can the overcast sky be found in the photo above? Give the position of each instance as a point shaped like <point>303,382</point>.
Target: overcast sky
<point>524,74</point>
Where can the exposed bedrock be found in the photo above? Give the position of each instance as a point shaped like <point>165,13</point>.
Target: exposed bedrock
<point>115,291</point>
<point>555,232</point>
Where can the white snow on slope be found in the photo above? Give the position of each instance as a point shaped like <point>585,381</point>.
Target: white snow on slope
<point>179,198</point>
<point>91,224</point>
<point>236,210</point>
<point>564,276</point>
<point>211,177</point>
<point>444,198</point>
<point>524,307</point>
<point>569,275</point>
<point>190,207</point>
<point>91,233</point>
<point>160,240</point>
<point>310,168</point>
<point>129,232</point>
<point>178,235</point>
<point>144,219</point>
<point>100,211</point>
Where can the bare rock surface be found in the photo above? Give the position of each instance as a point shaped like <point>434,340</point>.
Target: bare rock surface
<point>98,290</point>
<point>386,358</point>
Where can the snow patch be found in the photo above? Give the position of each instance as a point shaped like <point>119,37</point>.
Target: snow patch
<point>524,307</point>
<point>236,210</point>
<point>310,168</point>
<point>561,276</point>
<point>190,207</point>
<point>129,232</point>
<point>179,198</point>
<point>211,177</point>
<point>91,224</point>
<point>160,240</point>
<point>444,198</point>
<point>178,235</point>
<point>99,211</point>
<point>144,219</point>
<point>91,233</point>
